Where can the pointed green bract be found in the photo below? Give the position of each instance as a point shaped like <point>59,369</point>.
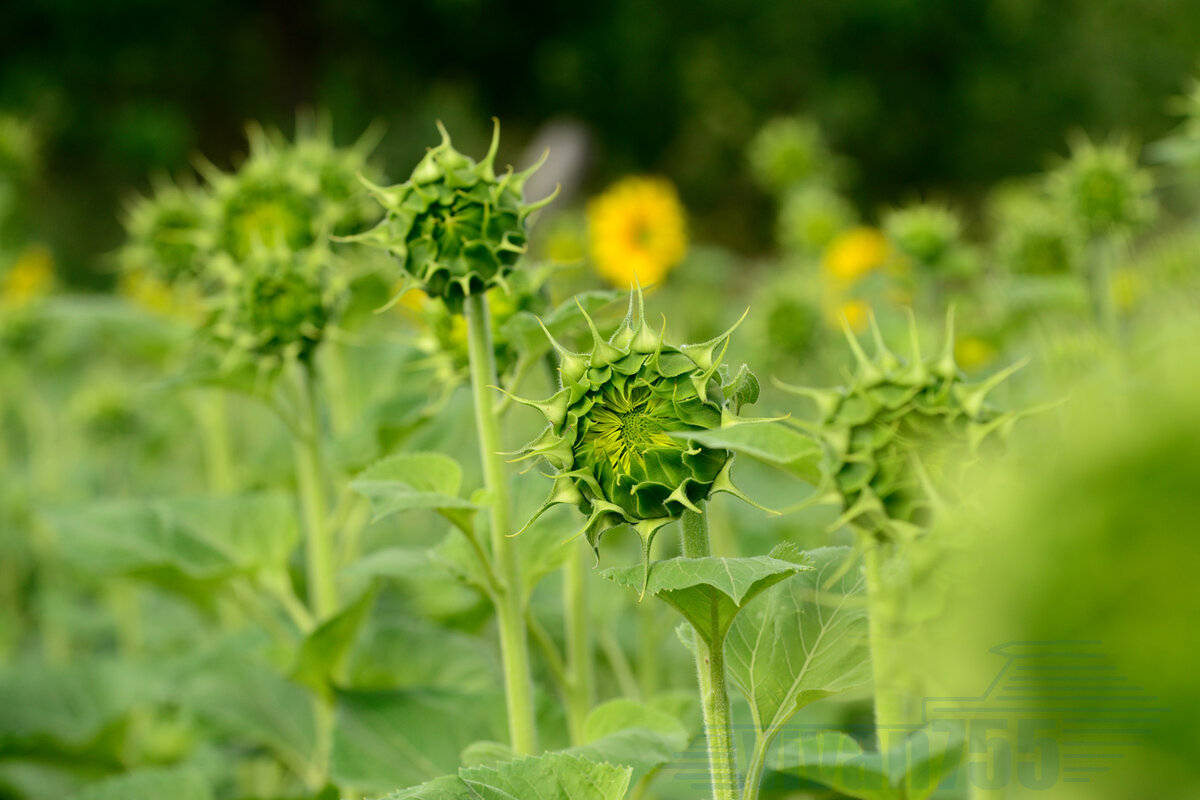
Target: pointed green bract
<point>615,426</point>
<point>455,227</point>
<point>886,434</point>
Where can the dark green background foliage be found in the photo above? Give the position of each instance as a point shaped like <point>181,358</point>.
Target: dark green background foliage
<point>941,96</point>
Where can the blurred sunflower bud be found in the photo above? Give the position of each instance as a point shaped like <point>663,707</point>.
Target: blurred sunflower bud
<point>1033,235</point>
<point>614,428</point>
<point>289,194</point>
<point>277,308</point>
<point>787,152</point>
<point>1103,188</point>
<point>455,227</point>
<point>930,235</point>
<point>810,218</point>
<point>168,234</point>
<point>886,436</point>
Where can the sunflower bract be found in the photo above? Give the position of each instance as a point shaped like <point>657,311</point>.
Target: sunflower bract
<point>614,425</point>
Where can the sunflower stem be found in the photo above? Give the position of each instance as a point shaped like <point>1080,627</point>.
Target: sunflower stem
<point>510,600</point>
<point>893,716</point>
<point>710,668</point>
<point>310,484</point>
<point>579,642</point>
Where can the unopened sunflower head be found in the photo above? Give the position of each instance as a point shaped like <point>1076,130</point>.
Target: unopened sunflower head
<point>889,434</point>
<point>168,233</point>
<point>455,227</point>
<point>289,194</point>
<point>1103,188</point>
<point>279,307</point>
<point>927,233</point>
<point>617,428</point>
<point>788,152</point>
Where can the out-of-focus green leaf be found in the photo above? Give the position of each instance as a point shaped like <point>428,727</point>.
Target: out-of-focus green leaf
<point>324,651</point>
<point>632,734</point>
<point>247,702</point>
<point>149,784</point>
<point>385,739</point>
<point>409,481</point>
<point>554,776</point>
<point>911,770</point>
<point>201,537</point>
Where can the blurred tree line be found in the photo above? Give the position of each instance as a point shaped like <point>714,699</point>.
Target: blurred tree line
<point>934,97</point>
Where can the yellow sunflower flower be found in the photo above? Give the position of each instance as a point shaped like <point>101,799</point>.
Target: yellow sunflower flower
<point>31,277</point>
<point>971,352</point>
<point>855,254</point>
<point>637,231</point>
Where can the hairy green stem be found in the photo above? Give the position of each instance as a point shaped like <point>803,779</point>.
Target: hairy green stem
<point>892,702</point>
<point>212,412</point>
<point>510,601</point>
<point>580,681</point>
<point>310,484</point>
<point>710,668</point>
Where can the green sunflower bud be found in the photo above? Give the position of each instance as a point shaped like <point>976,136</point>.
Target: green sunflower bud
<point>279,307</point>
<point>456,228</point>
<point>886,436</point>
<point>287,194</point>
<point>167,233</point>
<point>929,234</point>
<point>1104,189</point>
<point>787,152</point>
<point>1034,236</point>
<point>616,425</point>
<point>810,217</point>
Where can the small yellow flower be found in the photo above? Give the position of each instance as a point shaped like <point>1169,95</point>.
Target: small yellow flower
<point>972,352</point>
<point>31,277</point>
<point>855,254</point>
<point>637,231</point>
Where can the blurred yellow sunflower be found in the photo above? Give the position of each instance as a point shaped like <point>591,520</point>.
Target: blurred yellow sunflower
<point>30,277</point>
<point>855,254</point>
<point>636,230</point>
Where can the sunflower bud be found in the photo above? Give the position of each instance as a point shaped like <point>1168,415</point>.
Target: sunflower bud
<point>887,434</point>
<point>929,234</point>
<point>279,307</point>
<point>1104,189</point>
<point>615,428</point>
<point>454,226</point>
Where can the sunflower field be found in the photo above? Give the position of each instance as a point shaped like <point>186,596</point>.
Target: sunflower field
<point>736,415</point>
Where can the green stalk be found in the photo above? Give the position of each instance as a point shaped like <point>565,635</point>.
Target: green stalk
<point>310,483</point>
<point>212,411</point>
<point>710,668</point>
<point>510,600</point>
<point>580,682</point>
<point>892,711</point>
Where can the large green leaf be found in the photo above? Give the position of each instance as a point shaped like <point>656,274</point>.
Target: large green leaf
<point>710,591</point>
<point>773,442</point>
<point>801,640</point>
<point>201,537</point>
<point>149,784</point>
<point>248,702</point>
<point>632,734</point>
<point>410,481</point>
<point>66,704</point>
<point>554,776</point>
<point>911,770</point>
<point>385,739</point>
<point>324,651</point>
<point>401,650</point>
